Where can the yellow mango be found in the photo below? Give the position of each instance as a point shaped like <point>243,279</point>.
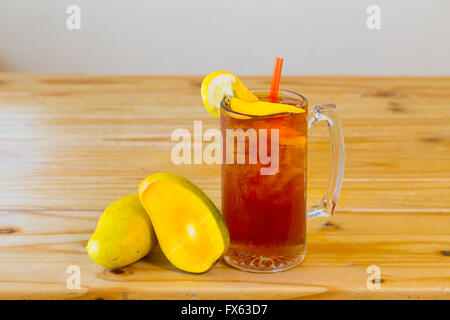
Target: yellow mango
<point>261,108</point>
<point>190,230</point>
<point>124,234</point>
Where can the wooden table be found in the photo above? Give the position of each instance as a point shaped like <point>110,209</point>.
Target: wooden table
<point>72,144</point>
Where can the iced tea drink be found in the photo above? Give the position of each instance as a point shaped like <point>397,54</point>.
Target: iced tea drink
<point>266,213</point>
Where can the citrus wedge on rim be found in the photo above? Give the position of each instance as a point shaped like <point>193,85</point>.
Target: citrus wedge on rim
<point>220,84</point>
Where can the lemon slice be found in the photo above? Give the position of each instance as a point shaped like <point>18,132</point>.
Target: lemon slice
<point>262,108</point>
<point>220,84</point>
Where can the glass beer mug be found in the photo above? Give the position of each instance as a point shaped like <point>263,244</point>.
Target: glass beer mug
<point>264,182</point>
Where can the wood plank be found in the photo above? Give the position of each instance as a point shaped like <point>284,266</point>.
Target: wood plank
<point>71,144</point>
<point>413,262</point>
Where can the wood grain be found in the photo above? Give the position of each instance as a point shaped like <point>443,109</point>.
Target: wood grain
<point>71,144</point>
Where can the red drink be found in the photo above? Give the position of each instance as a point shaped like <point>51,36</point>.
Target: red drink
<point>266,214</point>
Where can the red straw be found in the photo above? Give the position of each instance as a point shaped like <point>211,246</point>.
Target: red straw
<point>276,77</point>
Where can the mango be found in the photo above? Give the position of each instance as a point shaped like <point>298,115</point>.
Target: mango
<point>190,229</point>
<point>261,108</point>
<point>124,234</point>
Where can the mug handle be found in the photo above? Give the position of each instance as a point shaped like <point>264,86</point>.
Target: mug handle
<point>326,206</point>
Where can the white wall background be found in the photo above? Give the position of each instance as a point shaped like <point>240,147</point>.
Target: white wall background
<point>320,37</point>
